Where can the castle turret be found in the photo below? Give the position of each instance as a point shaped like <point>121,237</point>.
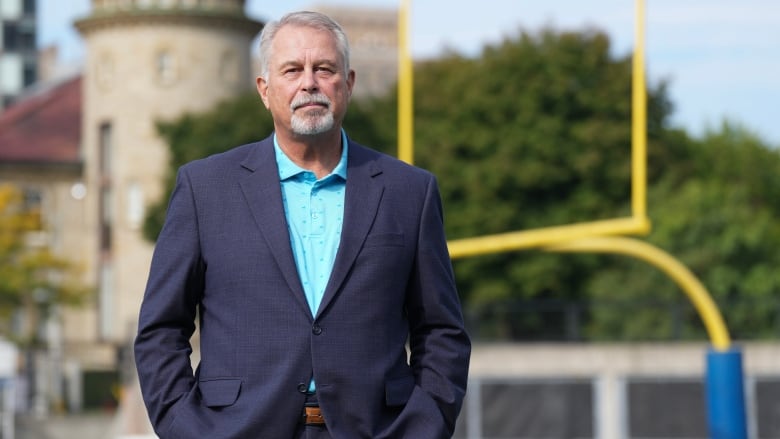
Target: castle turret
<point>147,60</point>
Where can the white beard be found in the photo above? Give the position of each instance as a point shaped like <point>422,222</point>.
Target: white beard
<point>312,121</point>
<point>311,124</point>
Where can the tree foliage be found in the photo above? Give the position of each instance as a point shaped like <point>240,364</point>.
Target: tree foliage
<point>536,131</point>
<point>715,210</point>
<point>32,279</point>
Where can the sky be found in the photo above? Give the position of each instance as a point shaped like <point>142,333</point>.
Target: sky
<point>721,58</point>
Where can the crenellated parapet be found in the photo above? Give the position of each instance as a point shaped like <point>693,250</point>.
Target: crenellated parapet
<point>219,13</point>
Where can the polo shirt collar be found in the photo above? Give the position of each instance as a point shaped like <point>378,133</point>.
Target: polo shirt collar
<point>288,169</point>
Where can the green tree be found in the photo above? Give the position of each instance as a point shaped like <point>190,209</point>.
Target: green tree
<point>716,211</point>
<point>32,279</point>
<point>535,132</point>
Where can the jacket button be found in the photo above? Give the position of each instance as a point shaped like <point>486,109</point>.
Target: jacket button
<point>303,388</point>
<point>316,330</point>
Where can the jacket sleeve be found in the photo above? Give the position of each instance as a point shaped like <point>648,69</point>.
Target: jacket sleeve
<point>168,311</point>
<point>440,347</point>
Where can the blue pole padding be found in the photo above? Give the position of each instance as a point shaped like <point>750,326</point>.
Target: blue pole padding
<point>726,395</point>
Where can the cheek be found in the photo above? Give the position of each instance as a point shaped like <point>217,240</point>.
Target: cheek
<point>277,101</point>
<point>342,98</point>
<point>336,93</point>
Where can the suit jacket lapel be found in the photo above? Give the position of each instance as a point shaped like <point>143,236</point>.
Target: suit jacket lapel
<point>362,196</point>
<point>263,194</point>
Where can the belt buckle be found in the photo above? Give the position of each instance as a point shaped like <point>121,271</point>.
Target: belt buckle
<point>312,415</point>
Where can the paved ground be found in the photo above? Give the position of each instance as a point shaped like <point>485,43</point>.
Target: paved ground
<point>86,426</point>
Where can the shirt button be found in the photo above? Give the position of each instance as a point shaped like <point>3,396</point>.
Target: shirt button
<point>303,388</point>
<point>316,330</point>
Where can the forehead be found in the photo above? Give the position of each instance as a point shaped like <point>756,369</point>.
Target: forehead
<point>294,42</point>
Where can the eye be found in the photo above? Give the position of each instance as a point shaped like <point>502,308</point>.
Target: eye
<point>325,71</point>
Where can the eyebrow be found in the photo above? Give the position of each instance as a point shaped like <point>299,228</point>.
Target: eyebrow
<point>296,63</point>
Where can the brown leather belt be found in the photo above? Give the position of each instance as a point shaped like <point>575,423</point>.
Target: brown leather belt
<point>312,415</point>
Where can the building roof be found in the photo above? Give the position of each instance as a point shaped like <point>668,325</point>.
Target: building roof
<point>44,127</point>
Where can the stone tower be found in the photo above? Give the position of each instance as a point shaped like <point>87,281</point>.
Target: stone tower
<point>147,61</point>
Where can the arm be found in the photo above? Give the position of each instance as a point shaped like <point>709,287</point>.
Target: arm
<point>167,316</point>
<point>440,347</point>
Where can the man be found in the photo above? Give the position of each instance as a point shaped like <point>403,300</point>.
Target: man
<point>310,262</point>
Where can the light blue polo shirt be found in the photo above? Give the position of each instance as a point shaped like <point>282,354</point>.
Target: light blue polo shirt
<point>315,212</point>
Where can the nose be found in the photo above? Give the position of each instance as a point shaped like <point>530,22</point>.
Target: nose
<point>309,81</point>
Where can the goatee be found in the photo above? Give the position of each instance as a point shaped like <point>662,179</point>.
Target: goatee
<point>312,121</point>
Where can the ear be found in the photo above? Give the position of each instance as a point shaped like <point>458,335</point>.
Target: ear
<point>350,81</point>
<point>262,89</point>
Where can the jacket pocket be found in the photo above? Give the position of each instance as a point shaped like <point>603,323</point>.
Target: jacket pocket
<point>219,392</point>
<point>398,390</point>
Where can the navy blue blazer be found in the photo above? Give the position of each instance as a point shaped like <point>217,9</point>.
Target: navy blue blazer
<point>224,257</point>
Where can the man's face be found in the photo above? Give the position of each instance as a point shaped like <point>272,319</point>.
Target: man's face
<point>307,89</point>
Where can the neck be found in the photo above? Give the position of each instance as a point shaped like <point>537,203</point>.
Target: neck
<point>319,154</point>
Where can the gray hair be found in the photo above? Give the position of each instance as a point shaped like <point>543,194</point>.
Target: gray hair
<point>309,19</point>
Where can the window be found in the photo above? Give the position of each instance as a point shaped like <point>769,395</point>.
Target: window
<point>104,159</point>
<point>29,7</point>
<point>106,201</point>
<point>106,195</point>
<point>135,204</point>
<point>166,67</point>
<point>11,41</point>
<point>26,36</point>
<point>30,75</point>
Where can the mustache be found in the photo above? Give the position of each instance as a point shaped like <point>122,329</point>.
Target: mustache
<point>309,99</point>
